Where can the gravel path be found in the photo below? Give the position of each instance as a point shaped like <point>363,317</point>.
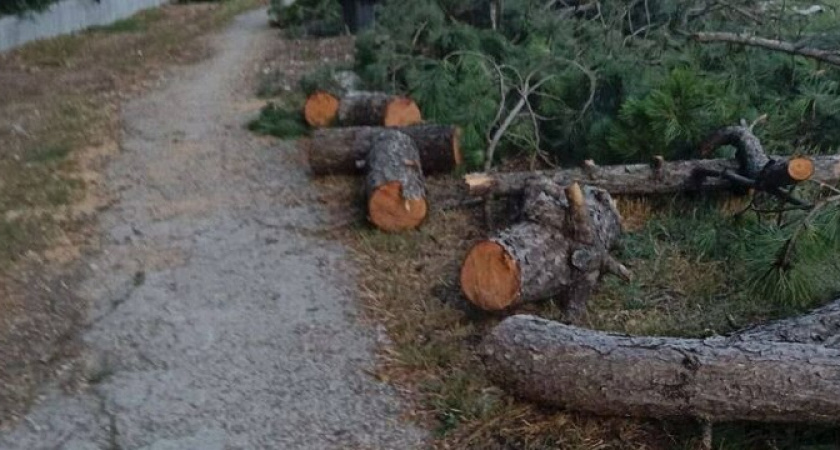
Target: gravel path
<point>217,323</point>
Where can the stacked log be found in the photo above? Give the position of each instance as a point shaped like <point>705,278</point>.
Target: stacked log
<point>395,187</point>
<point>343,151</point>
<point>561,248</point>
<point>359,108</point>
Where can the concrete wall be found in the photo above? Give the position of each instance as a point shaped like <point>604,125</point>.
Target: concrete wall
<point>65,17</point>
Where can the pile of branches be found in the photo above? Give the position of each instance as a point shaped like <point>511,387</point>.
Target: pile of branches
<point>617,82</point>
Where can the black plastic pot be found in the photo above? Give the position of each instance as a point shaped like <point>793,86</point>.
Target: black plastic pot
<point>358,14</point>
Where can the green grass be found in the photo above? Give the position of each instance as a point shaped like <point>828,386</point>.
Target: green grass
<point>283,122</point>
<point>137,23</point>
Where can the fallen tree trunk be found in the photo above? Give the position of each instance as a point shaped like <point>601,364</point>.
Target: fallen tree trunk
<point>343,151</point>
<point>640,179</point>
<point>358,108</point>
<point>559,249</point>
<point>669,378</point>
<point>396,190</point>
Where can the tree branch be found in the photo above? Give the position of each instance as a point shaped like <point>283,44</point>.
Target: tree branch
<point>827,56</point>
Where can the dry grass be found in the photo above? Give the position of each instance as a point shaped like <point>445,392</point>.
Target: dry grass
<point>58,126</point>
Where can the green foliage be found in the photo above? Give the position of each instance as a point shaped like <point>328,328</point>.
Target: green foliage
<point>8,7</point>
<point>656,91</point>
<point>277,121</point>
<point>308,17</point>
<point>749,251</point>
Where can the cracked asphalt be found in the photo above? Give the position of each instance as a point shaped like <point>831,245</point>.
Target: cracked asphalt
<point>217,320</point>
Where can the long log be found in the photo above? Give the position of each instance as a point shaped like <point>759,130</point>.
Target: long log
<point>396,190</point>
<point>639,179</point>
<point>668,378</point>
<point>342,151</point>
<point>359,108</point>
<point>559,249</point>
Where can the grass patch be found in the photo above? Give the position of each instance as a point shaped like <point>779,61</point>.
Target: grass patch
<point>282,122</point>
<point>136,23</point>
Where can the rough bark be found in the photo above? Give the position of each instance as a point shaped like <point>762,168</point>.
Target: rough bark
<point>377,109</point>
<point>343,151</point>
<point>560,248</point>
<point>639,179</point>
<point>396,190</point>
<point>819,327</point>
<point>668,378</point>
<point>828,56</point>
<point>762,172</point>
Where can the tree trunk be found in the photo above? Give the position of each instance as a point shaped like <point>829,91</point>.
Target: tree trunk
<point>396,191</point>
<point>559,249</point>
<point>357,108</point>
<point>668,378</point>
<point>377,109</point>
<point>643,179</point>
<point>342,151</point>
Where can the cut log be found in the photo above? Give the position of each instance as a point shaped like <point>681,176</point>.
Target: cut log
<point>559,249</point>
<point>320,109</point>
<point>668,378</point>
<point>359,108</point>
<point>395,187</point>
<point>342,151</point>
<point>646,179</point>
<point>377,109</point>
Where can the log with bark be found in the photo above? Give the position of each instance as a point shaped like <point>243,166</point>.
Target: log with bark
<point>751,168</point>
<point>343,151</point>
<point>396,190</point>
<point>670,378</point>
<point>561,248</point>
<point>644,179</point>
<point>359,108</point>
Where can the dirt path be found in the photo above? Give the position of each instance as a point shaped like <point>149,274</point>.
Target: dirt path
<point>216,322</point>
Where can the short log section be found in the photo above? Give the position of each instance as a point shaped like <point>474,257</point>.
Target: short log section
<point>559,249</point>
<point>377,109</point>
<point>395,187</point>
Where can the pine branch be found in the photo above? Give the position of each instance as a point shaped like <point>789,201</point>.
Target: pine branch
<point>828,56</point>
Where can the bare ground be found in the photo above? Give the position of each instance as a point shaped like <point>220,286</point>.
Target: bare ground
<point>218,319</point>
